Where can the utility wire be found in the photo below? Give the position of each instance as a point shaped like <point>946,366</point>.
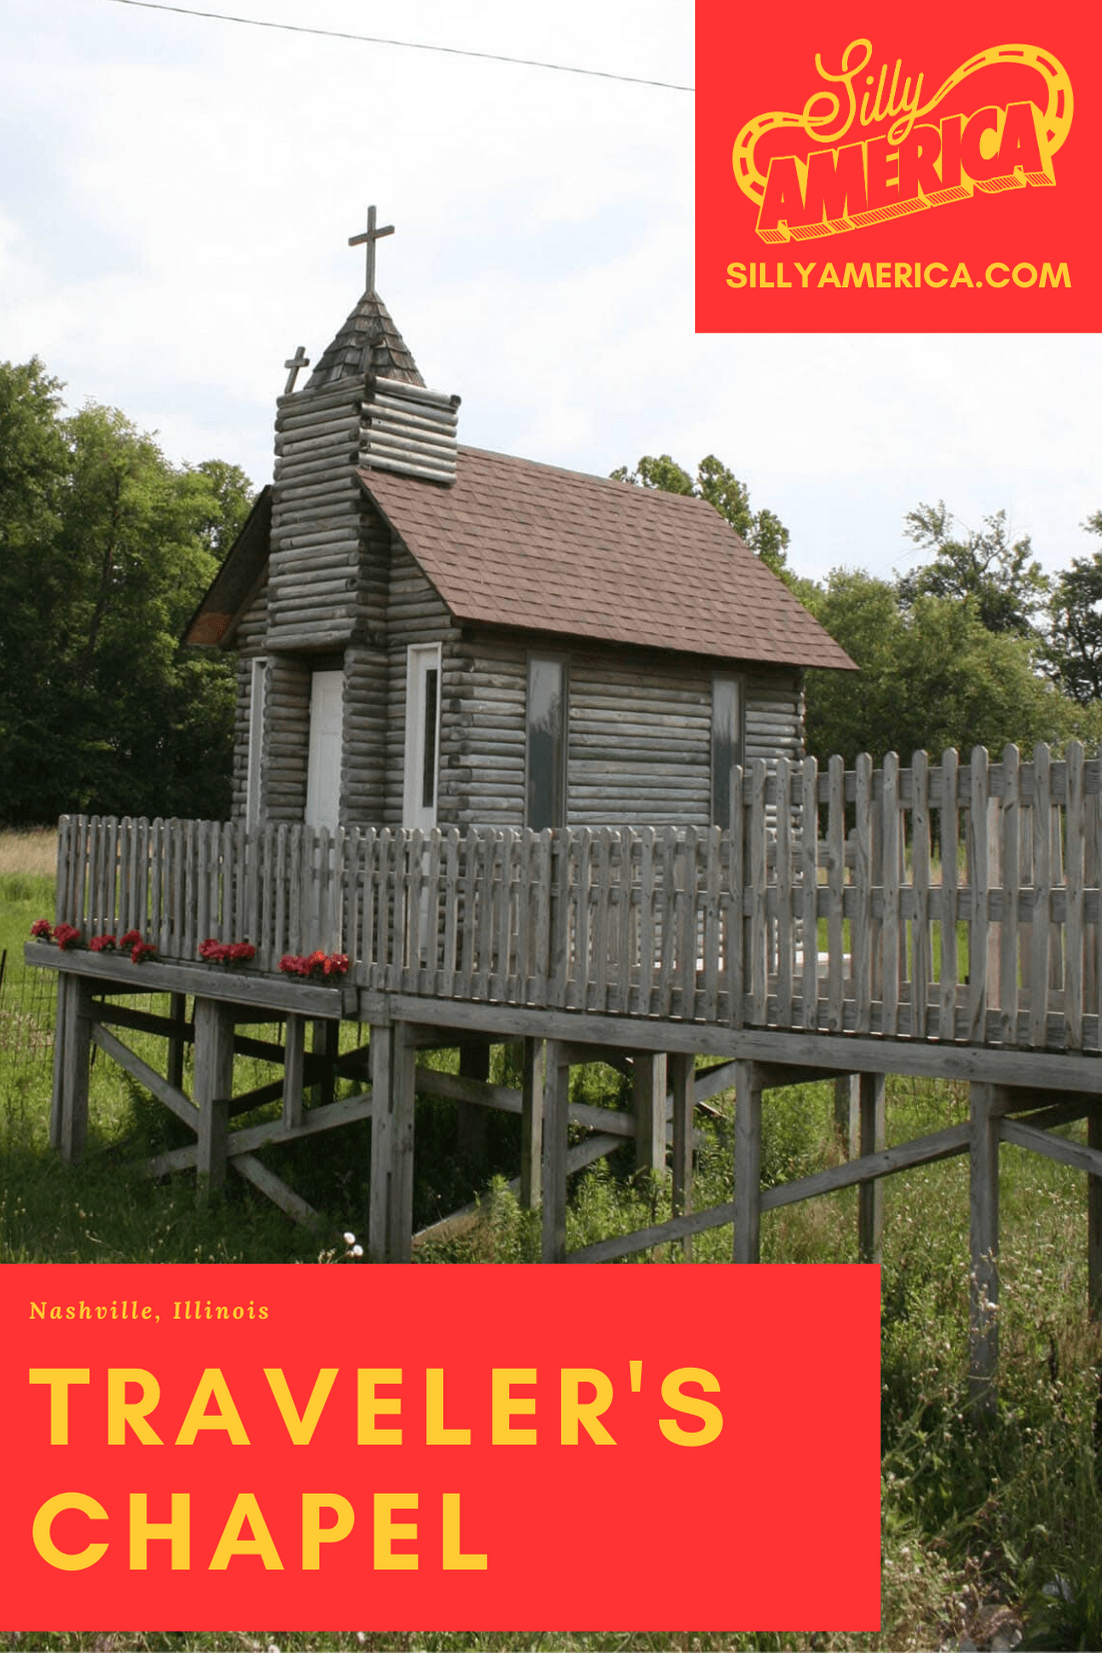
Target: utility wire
<point>408,45</point>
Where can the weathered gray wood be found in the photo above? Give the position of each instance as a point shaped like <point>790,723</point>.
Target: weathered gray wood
<point>531,1132</point>
<point>861,924</point>
<point>809,879</point>
<point>556,1096</point>
<point>979,881</point>
<point>747,1239</point>
<point>847,1112</point>
<point>1040,948</point>
<point>1073,880</point>
<point>1010,864</point>
<point>949,882</point>
<point>254,1171</point>
<point>648,1103</point>
<point>873,1140</point>
<point>836,878</point>
<point>213,1087</point>
<point>983,1247</point>
<point>924,1150</point>
<point>1058,1148</point>
<point>76,1008</point>
<point>293,1069</point>
<point>390,1219</point>
<point>680,1067</point>
<point>163,1089</point>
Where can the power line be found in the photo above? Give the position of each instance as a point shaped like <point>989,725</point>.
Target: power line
<point>408,45</point>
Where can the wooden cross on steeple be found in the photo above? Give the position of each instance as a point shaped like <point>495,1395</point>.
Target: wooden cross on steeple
<point>370,235</point>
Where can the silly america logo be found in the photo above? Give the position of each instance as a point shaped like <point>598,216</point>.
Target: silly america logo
<point>936,142</point>
<point>912,164</point>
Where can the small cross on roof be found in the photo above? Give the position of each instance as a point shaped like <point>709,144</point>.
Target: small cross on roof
<point>370,235</point>
<point>299,359</point>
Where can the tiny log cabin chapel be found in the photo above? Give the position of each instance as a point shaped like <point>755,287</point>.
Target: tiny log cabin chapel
<point>519,755</point>
<point>433,635</point>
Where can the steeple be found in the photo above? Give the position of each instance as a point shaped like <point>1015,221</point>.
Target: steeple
<point>368,342</point>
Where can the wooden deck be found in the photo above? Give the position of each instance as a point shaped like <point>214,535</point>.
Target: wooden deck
<point>942,920</point>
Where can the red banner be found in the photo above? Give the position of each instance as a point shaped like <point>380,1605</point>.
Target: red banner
<point>905,169</point>
<point>424,1448</point>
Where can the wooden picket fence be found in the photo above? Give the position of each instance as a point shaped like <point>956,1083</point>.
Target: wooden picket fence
<point>954,902</point>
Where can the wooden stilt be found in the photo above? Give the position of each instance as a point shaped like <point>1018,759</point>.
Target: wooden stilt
<point>872,1138</point>
<point>474,1063</point>
<point>847,1112</point>
<point>75,1021</point>
<point>984,1246</point>
<point>1094,1218</point>
<point>325,1043</point>
<point>556,1101</point>
<point>213,1087</point>
<point>531,1123</point>
<point>390,1221</point>
<point>174,1073</point>
<point>294,1058</point>
<point>747,1163</point>
<point>648,1100</point>
<point>682,1084</point>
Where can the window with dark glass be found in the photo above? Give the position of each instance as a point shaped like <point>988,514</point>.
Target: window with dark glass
<point>546,779</point>
<point>428,767</point>
<point>726,743</point>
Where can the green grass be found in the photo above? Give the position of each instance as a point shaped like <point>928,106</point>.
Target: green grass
<point>976,1522</point>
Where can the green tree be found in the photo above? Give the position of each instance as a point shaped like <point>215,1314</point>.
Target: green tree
<point>1073,653</point>
<point>105,548</point>
<point>763,531</point>
<point>931,676</point>
<point>999,576</point>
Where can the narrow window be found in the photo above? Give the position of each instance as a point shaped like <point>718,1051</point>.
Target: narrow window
<point>726,744</point>
<point>546,784</point>
<point>257,694</point>
<point>428,767</point>
<point>422,753</point>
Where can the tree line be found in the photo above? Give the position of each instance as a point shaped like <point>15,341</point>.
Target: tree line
<point>974,646</point>
<point>105,551</point>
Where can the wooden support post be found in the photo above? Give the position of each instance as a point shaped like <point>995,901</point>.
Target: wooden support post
<point>847,1112</point>
<point>872,1138</point>
<point>531,1123</point>
<point>1094,1217</point>
<point>681,1069</point>
<point>648,1101</point>
<point>57,1096</point>
<point>75,1024</point>
<point>390,1220</point>
<point>747,1163</point>
<point>174,1073</point>
<point>294,1057</point>
<point>474,1063</point>
<point>326,1043</point>
<point>213,1088</point>
<point>983,1322</point>
<point>556,1108</point>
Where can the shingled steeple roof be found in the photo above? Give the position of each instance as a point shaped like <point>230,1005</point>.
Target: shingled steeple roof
<point>368,342</point>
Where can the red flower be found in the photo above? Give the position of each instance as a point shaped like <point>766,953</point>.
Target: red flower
<point>241,952</point>
<point>66,936</point>
<point>42,929</point>
<point>142,950</point>
<point>130,939</point>
<point>102,944</point>
<point>215,952</point>
<point>314,964</point>
<point>336,964</point>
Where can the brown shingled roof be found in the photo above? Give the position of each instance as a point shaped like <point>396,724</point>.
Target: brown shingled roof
<point>529,546</point>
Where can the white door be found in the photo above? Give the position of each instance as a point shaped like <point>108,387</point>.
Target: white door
<point>323,775</point>
<point>422,736</point>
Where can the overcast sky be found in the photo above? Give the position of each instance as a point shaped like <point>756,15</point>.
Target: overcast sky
<point>176,196</point>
